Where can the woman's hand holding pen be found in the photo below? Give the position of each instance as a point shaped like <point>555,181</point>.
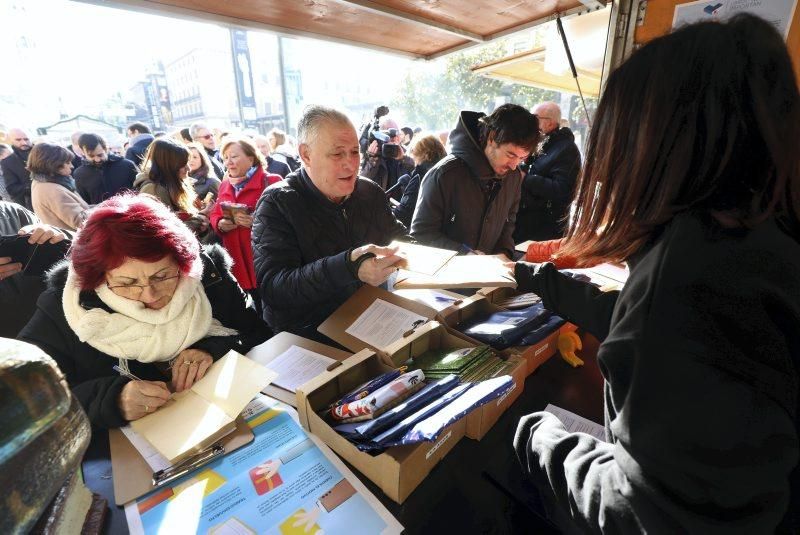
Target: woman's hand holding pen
<point>140,398</point>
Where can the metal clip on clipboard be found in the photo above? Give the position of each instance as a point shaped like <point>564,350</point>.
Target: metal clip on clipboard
<point>161,477</point>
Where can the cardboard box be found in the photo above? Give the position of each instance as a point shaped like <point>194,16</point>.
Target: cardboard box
<point>478,304</point>
<point>336,325</point>
<point>397,471</point>
<point>430,335</point>
<point>480,421</point>
<point>279,344</point>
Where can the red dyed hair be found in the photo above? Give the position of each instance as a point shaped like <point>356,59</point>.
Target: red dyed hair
<point>129,226</point>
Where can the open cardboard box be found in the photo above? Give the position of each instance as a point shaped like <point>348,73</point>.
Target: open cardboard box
<point>336,325</point>
<point>397,471</point>
<point>429,335</point>
<point>279,344</point>
<point>478,304</point>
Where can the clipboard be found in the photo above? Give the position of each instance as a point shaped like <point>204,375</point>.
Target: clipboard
<point>133,477</point>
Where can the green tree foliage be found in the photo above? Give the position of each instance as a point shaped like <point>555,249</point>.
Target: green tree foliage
<point>431,95</point>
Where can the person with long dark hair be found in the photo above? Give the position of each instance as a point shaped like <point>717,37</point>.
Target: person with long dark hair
<point>691,177</point>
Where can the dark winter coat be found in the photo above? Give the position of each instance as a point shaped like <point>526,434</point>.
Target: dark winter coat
<point>137,149</point>
<point>276,167</point>
<point>301,241</point>
<point>213,157</point>
<point>89,371</point>
<point>452,210</point>
<point>548,188</point>
<point>18,179</point>
<point>701,395</point>
<point>409,185</point>
<point>19,292</point>
<point>386,172</point>
<point>204,184</point>
<point>96,184</point>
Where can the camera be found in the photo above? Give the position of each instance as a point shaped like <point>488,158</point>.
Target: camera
<point>370,131</point>
<point>386,149</point>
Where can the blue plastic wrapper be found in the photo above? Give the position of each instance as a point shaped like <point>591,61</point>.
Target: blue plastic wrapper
<point>367,430</point>
<point>426,424</point>
<point>479,394</point>
<point>541,332</point>
<point>505,328</point>
<point>369,387</point>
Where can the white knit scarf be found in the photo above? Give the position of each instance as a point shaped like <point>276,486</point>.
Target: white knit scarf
<point>135,332</point>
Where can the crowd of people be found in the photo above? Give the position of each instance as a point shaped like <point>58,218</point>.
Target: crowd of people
<point>181,251</point>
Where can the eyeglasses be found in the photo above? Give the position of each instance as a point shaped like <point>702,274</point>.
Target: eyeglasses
<point>207,136</point>
<point>135,290</point>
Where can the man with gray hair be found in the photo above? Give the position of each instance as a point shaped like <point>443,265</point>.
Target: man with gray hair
<point>200,133</point>
<point>550,180</point>
<point>322,233</point>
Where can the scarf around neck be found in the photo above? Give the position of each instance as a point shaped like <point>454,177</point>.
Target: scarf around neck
<point>134,332</point>
<point>64,181</point>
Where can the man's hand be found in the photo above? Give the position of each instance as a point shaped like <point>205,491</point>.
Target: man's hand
<point>41,233</point>
<point>243,220</point>
<point>372,150</point>
<point>189,367</point>
<point>225,225</point>
<point>7,268</point>
<point>139,398</point>
<point>375,271</point>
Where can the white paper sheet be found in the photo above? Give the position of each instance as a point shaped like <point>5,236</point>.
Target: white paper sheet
<point>383,323</point>
<point>577,424</point>
<point>296,366</point>
<point>155,460</point>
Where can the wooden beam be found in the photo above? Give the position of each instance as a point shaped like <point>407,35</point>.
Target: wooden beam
<point>396,14</point>
<point>511,31</point>
<point>151,7</point>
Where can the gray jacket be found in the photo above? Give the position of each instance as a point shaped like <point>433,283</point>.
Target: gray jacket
<point>453,211</point>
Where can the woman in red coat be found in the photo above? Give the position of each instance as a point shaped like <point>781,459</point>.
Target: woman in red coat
<point>243,183</point>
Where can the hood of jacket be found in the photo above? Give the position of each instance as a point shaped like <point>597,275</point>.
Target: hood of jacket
<point>464,142</point>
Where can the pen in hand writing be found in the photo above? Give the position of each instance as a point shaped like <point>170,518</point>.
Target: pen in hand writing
<point>124,373</point>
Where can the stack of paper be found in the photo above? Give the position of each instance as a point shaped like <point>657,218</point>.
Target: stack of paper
<point>430,267</point>
<point>197,418</point>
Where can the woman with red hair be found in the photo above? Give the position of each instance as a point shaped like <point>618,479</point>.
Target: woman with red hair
<point>138,291</point>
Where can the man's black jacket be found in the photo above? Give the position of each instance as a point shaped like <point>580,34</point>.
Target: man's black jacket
<point>18,179</point>
<point>547,188</point>
<point>300,245</point>
<point>96,184</point>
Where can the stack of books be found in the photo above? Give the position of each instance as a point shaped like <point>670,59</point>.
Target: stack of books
<point>471,364</point>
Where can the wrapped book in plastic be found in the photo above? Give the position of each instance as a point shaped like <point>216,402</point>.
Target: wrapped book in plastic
<point>506,328</point>
<point>422,415</point>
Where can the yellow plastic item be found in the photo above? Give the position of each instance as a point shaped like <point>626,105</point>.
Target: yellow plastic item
<point>567,344</point>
